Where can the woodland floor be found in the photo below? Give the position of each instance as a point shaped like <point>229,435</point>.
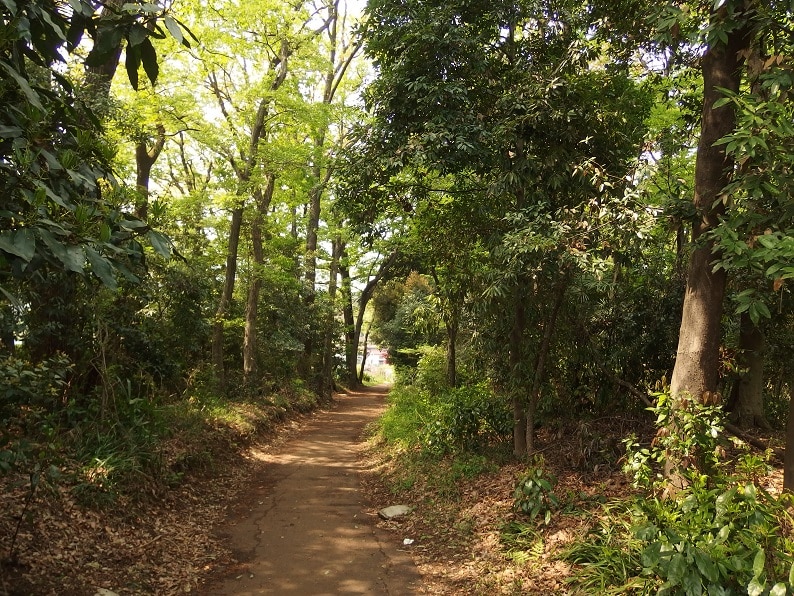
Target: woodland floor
<point>301,506</point>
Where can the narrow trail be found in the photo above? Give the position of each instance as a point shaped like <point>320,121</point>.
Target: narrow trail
<point>304,528</point>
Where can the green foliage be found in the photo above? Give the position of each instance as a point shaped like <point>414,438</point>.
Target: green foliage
<point>706,540</point>
<point>32,397</point>
<point>404,421</point>
<point>431,370</point>
<point>523,543</point>
<point>687,442</point>
<point>467,419</point>
<point>406,318</point>
<point>608,555</point>
<point>534,493</point>
<point>464,420</point>
<point>62,210</point>
<point>709,533</point>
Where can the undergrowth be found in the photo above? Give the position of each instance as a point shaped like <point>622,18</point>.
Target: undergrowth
<point>130,443</point>
<point>706,531</point>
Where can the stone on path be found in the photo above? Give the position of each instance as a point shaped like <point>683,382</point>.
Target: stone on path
<point>394,511</point>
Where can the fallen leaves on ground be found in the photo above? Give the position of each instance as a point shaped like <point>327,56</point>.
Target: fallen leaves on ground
<point>161,544</point>
<point>459,532</point>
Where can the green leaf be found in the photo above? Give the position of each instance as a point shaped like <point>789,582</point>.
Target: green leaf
<point>32,96</point>
<point>149,60</point>
<point>174,29</point>
<point>160,242</point>
<point>718,104</point>
<point>10,297</point>
<point>21,243</point>
<point>692,584</point>
<point>137,34</point>
<point>706,566</point>
<point>71,256</point>
<point>779,589</point>
<point>10,132</point>
<point>132,63</point>
<point>677,568</point>
<point>758,562</point>
<point>101,267</point>
<point>755,588</point>
<point>791,575</point>
<point>109,42</point>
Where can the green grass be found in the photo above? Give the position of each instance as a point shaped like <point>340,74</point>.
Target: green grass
<point>608,557</point>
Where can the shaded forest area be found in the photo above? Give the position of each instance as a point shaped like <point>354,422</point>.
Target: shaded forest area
<point>554,216</point>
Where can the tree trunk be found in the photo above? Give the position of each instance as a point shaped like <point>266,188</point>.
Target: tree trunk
<point>99,78</point>
<point>224,304</point>
<point>540,363</point>
<point>351,349</point>
<point>327,378</point>
<point>452,337</point>
<point>750,385</point>
<point>516,343</point>
<point>788,465</point>
<point>252,304</point>
<point>306,364</point>
<point>354,323</point>
<point>145,158</point>
<point>364,357</point>
<point>697,359</point>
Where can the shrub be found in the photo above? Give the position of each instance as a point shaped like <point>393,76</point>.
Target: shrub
<point>534,493</point>
<point>468,419</point>
<point>431,370</point>
<point>712,533</point>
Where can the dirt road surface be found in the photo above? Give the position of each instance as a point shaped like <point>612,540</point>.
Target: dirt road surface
<point>305,527</point>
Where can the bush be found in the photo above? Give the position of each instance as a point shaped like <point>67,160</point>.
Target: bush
<point>711,533</point>
<point>409,412</point>
<point>534,493</point>
<point>431,370</point>
<point>468,419</point>
<point>721,541</point>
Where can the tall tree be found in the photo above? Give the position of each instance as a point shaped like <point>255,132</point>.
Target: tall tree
<point>341,50</point>
<point>499,97</point>
<point>697,358</point>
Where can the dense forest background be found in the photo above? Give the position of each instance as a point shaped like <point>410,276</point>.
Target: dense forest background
<point>543,210</point>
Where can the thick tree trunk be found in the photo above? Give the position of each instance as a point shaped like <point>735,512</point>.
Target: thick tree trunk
<point>696,365</point>
<point>224,304</point>
<point>749,397</point>
<point>263,200</point>
<point>697,359</point>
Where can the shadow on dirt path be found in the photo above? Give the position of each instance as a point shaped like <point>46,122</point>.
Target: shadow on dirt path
<point>304,528</point>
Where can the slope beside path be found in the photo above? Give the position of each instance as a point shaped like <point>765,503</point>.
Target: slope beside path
<point>304,527</point>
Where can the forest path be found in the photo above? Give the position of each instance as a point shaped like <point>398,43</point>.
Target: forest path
<point>304,527</point>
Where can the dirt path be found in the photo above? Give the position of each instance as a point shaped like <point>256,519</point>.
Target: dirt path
<point>305,527</point>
